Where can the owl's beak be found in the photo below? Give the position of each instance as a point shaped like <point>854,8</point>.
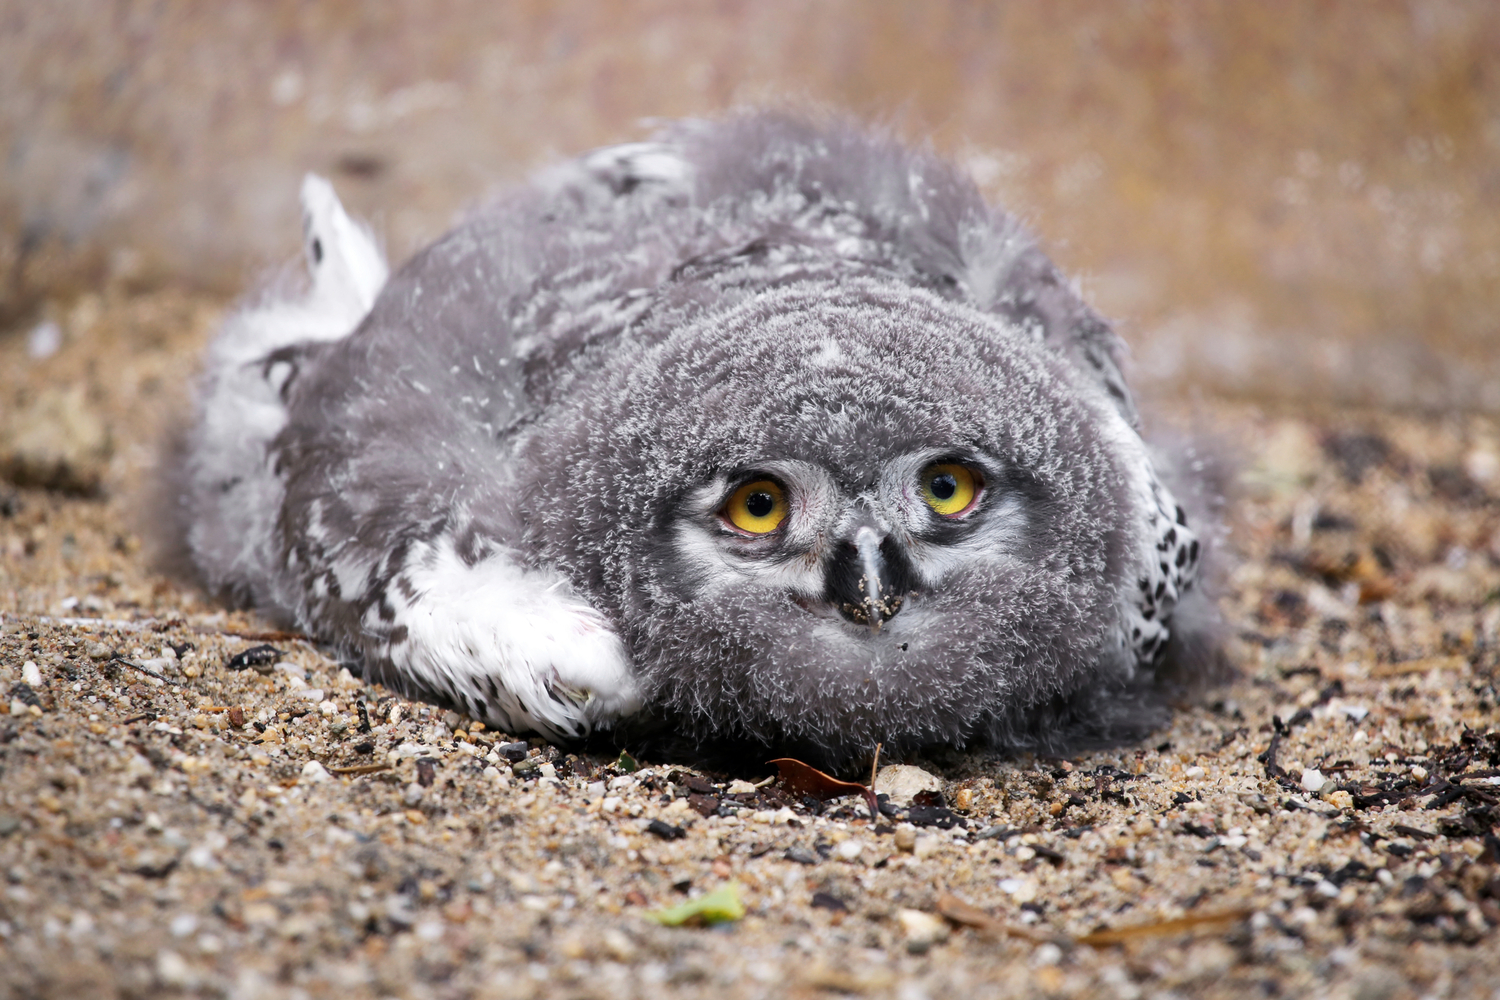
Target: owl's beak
<point>867,578</point>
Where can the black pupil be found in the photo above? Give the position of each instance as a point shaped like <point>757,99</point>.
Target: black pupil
<point>760,504</point>
<point>944,485</point>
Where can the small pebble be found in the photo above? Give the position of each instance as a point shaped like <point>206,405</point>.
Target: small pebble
<point>901,782</point>
<point>1046,953</point>
<point>262,659</point>
<point>828,901</point>
<point>906,839</point>
<point>426,771</point>
<point>703,805</point>
<point>922,930</point>
<point>31,673</point>
<point>665,831</point>
<point>618,946</point>
<point>314,772</point>
<point>1020,890</point>
<point>172,969</point>
<point>398,911</point>
<point>44,340</point>
<point>1313,780</point>
<point>699,784</point>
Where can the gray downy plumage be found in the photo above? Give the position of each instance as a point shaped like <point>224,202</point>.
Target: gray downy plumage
<point>500,478</point>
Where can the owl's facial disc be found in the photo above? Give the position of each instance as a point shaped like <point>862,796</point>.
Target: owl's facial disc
<point>843,548</point>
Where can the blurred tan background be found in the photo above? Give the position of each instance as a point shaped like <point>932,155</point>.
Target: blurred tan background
<point>1271,199</point>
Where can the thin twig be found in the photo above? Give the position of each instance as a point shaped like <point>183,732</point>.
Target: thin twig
<point>360,768</point>
<point>957,911</point>
<point>146,670</point>
<point>875,764</point>
<point>1383,671</point>
<point>1181,925</point>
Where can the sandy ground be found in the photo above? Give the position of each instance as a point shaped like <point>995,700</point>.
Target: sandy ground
<point>1322,826</point>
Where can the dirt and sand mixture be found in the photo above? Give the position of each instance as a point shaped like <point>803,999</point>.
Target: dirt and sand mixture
<point>181,815</point>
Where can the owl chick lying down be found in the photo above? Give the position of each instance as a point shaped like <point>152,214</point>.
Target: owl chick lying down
<point>768,432</point>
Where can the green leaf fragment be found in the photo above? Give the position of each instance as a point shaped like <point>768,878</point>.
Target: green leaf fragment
<point>627,763</point>
<point>717,907</point>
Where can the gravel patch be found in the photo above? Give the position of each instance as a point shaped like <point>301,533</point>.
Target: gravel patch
<point>193,804</point>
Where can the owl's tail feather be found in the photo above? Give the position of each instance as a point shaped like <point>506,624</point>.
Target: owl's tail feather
<point>229,492</point>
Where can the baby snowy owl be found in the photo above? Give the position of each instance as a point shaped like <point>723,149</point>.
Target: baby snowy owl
<point>767,432</point>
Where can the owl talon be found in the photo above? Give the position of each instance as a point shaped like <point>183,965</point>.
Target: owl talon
<point>565,694</point>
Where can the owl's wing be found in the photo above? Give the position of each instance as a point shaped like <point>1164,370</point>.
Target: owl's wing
<point>1033,295</point>
<point>232,494</point>
<point>313,521</point>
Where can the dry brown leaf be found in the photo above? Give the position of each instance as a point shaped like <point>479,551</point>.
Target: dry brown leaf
<point>804,779</point>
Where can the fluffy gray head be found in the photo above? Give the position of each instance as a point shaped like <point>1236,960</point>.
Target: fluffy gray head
<point>841,391</point>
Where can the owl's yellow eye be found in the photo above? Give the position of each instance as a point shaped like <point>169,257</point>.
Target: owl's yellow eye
<point>758,507</point>
<point>948,488</point>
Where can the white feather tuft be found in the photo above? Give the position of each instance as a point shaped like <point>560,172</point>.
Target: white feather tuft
<point>515,644</point>
<point>347,267</point>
